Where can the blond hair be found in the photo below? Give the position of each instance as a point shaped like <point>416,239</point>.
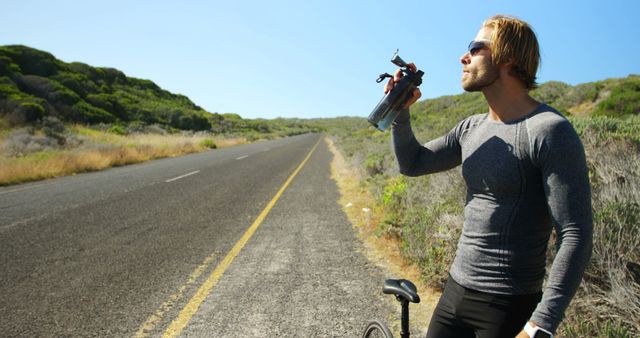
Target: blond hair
<point>513,40</point>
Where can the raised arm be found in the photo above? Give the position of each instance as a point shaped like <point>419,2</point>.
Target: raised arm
<point>414,159</point>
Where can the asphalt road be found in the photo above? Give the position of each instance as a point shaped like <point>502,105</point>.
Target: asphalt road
<point>132,251</point>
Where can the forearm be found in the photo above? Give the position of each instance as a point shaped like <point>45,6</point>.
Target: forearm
<point>405,145</point>
<point>565,276</point>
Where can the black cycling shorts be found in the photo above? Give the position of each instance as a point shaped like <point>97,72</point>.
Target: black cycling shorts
<point>463,312</point>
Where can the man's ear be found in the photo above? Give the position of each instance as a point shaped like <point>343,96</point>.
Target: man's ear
<point>509,63</point>
<point>506,67</point>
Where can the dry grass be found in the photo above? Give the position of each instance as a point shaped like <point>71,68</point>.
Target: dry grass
<point>384,251</point>
<point>102,150</point>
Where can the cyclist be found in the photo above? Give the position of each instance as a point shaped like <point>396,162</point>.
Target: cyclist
<point>525,170</point>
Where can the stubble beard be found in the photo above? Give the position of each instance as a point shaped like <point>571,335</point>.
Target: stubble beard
<point>478,81</point>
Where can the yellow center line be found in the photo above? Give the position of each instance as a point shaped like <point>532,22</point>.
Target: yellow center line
<point>186,314</point>
<point>155,318</point>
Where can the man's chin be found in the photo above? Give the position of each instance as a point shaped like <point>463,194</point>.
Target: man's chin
<point>476,86</point>
<point>469,88</point>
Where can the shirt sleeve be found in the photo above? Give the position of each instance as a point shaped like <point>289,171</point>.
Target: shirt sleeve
<point>561,159</point>
<point>415,159</point>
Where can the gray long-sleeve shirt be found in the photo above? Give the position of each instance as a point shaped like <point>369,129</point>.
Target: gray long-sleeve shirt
<point>522,178</point>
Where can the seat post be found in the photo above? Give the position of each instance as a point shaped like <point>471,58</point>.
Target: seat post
<point>404,330</point>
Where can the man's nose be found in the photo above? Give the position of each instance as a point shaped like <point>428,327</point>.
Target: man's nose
<point>465,59</point>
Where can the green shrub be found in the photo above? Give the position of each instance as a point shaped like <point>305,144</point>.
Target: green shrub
<point>31,61</point>
<point>48,89</point>
<point>84,112</point>
<point>117,129</point>
<point>209,143</point>
<point>580,94</point>
<point>603,128</point>
<point>8,88</point>
<point>624,100</point>
<point>7,67</point>
<point>588,327</point>
<point>26,112</point>
<point>102,100</point>
<point>620,104</point>
<point>393,200</point>
<point>79,83</point>
<point>550,92</point>
<point>373,164</point>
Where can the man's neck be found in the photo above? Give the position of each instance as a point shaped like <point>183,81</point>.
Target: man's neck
<point>508,101</point>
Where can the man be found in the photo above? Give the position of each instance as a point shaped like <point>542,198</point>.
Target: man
<point>525,171</point>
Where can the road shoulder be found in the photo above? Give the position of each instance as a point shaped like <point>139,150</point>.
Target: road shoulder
<point>382,251</point>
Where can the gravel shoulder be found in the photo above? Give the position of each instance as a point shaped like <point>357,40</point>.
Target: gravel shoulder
<point>302,274</point>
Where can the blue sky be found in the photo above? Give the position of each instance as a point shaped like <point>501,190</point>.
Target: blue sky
<point>267,59</point>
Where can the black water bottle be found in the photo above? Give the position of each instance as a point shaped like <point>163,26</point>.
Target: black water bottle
<point>388,108</point>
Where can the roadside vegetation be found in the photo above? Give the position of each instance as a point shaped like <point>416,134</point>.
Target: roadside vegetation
<point>425,214</point>
<point>53,149</point>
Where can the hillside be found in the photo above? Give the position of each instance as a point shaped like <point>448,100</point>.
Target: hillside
<point>34,84</point>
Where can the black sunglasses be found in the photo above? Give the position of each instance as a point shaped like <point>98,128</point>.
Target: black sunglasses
<point>476,45</point>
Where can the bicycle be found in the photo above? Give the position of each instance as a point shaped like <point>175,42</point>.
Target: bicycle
<point>404,291</point>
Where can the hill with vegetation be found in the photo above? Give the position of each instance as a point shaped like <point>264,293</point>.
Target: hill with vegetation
<point>35,85</point>
<point>425,214</point>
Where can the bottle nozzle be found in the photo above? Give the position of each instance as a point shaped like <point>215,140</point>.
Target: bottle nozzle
<point>397,60</point>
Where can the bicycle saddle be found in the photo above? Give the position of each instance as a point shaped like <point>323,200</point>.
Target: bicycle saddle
<point>401,288</point>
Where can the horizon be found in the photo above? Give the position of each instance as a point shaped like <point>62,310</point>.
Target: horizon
<point>312,60</point>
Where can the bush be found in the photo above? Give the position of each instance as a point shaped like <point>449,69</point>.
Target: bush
<point>374,164</point>
<point>102,101</point>
<point>47,89</point>
<point>31,61</point>
<point>54,128</point>
<point>588,327</point>
<point>579,95</point>
<point>620,104</point>
<point>7,67</point>
<point>79,83</point>
<point>602,128</point>
<point>24,141</point>
<point>139,127</point>
<point>26,112</point>
<point>117,129</point>
<point>551,92</point>
<point>624,100</point>
<point>84,112</point>
<point>394,198</point>
<point>209,143</point>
